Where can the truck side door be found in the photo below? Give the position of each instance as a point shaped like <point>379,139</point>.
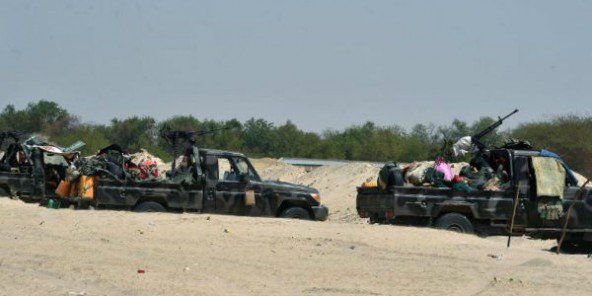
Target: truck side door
<point>526,213</point>
<point>256,203</point>
<point>230,189</point>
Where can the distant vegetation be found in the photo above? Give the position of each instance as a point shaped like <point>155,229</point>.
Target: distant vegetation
<point>570,136</point>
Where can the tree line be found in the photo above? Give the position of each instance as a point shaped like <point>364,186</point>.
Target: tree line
<point>569,135</point>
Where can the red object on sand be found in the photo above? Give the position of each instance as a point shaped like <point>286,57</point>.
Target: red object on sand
<point>141,271</point>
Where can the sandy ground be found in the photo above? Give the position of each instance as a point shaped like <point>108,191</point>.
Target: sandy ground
<point>337,184</point>
<point>66,252</point>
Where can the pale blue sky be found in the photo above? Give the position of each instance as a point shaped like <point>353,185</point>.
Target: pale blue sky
<point>321,64</point>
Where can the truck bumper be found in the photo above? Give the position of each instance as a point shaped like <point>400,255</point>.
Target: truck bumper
<point>320,212</point>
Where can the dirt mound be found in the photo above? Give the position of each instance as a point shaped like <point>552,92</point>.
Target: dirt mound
<point>282,172</point>
<point>262,163</point>
<point>581,179</point>
<point>337,184</point>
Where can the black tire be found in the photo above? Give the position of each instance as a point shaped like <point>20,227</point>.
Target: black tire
<point>376,220</point>
<point>295,213</point>
<point>149,206</point>
<point>455,222</point>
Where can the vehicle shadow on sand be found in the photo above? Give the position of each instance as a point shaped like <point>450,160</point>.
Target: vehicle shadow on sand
<point>572,249</point>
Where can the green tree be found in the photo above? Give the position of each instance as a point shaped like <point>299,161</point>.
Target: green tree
<point>457,130</point>
<point>94,136</point>
<point>134,133</point>
<point>43,116</point>
<point>569,136</point>
<point>259,137</point>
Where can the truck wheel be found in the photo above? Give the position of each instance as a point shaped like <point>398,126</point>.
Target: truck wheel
<point>295,213</point>
<point>149,206</point>
<point>375,220</point>
<point>455,222</point>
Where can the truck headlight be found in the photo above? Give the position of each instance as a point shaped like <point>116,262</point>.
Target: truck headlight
<point>316,197</point>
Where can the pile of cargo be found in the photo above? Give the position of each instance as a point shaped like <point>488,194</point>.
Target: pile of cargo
<point>110,162</point>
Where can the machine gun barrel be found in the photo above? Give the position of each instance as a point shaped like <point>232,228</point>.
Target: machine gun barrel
<point>476,139</point>
<point>190,135</point>
<point>207,132</point>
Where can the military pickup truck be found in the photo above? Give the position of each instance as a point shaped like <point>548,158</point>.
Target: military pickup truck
<point>207,180</point>
<point>484,212</point>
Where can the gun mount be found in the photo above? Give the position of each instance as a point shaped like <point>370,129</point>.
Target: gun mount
<point>476,139</point>
<point>189,137</point>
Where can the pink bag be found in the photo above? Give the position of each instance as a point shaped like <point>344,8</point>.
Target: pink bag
<point>444,168</point>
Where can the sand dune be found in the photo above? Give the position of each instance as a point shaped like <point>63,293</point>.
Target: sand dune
<point>337,185</point>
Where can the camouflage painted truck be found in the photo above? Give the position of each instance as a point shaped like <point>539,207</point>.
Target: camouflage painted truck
<point>210,181</point>
<point>485,212</point>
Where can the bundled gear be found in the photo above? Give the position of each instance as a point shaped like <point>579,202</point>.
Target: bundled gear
<point>109,163</point>
<point>480,163</point>
<point>437,179</point>
<point>389,176</point>
<point>476,179</point>
<point>459,184</point>
<point>444,168</point>
<point>496,184</point>
<point>415,173</point>
<point>145,170</point>
<point>463,147</point>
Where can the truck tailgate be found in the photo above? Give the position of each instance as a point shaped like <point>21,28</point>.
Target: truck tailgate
<point>373,200</point>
